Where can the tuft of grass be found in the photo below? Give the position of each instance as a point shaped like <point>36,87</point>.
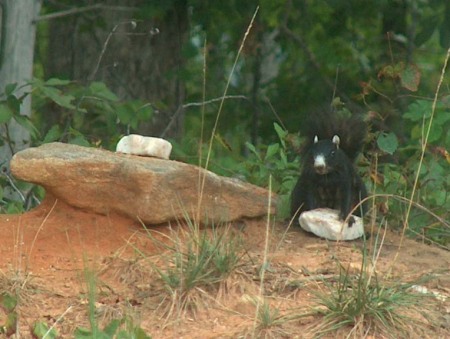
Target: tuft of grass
<point>123,327</point>
<point>272,322</point>
<point>269,321</point>
<point>197,262</point>
<point>362,304</point>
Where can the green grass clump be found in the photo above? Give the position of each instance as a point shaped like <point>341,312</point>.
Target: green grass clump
<point>361,304</point>
<point>197,261</point>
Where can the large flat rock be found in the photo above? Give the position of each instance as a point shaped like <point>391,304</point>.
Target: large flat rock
<point>150,189</point>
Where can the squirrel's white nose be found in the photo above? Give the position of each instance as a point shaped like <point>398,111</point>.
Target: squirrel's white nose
<point>320,164</point>
<point>319,161</point>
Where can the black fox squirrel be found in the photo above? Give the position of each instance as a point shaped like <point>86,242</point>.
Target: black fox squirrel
<point>328,177</point>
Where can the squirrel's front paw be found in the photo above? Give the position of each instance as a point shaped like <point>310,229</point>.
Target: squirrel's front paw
<point>351,220</point>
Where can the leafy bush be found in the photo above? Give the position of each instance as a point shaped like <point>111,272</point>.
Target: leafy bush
<point>86,115</point>
<point>398,173</point>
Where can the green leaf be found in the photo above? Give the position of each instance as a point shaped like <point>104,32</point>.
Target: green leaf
<point>112,327</point>
<point>99,89</point>
<point>281,133</point>
<point>272,150</point>
<point>14,103</point>
<point>8,302</point>
<point>426,31</point>
<point>124,113</point>
<point>78,138</point>
<point>41,328</point>
<point>63,100</point>
<point>418,110</point>
<point>387,142</point>
<point>57,82</point>
<point>10,88</point>
<point>253,150</point>
<point>81,332</point>
<point>435,132</point>
<point>10,323</point>
<point>123,334</point>
<point>144,113</point>
<point>410,77</point>
<point>5,113</point>
<point>53,134</point>
<point>25,122</point>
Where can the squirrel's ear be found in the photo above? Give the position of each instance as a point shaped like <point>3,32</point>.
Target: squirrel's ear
<point>316,139</point>
<point>336,141</point>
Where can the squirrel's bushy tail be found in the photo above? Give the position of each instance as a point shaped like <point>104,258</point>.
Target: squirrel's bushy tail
<point>352,130</point>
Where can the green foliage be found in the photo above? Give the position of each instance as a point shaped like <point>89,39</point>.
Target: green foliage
<point>8,303</point>
<point>113,330</point>
<point>387,142</point>
<point>41,330</point>
<point>91,115</point>
<point>254,163</point>
<point>432,192</point>
<point>400,146</point>
<point>123,328</point>
<point>274,160</point>
<point>87,115</point>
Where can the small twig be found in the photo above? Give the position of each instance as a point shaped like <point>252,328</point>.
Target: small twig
<point>335,84</point>
<point>197,104</point>
<point>78,10</point>
<point>265,256</point>
<point>13,185</point>
<point>202,129</point>
<point>211,101</point>
<point>309,53</point>
<point>8,138</point>
<point>56,322</point>
<point>267,100</point>
<point>39,229</point>
<point>105,45</point>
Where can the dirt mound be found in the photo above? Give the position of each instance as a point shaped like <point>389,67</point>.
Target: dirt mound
<point>46,252</point>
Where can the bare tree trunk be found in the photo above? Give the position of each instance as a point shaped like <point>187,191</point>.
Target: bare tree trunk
<point>16,64</point>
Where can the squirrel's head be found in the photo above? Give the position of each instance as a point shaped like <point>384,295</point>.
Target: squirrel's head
<point>324,153</point>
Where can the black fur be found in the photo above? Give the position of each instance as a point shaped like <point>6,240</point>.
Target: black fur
<point>331,180</point>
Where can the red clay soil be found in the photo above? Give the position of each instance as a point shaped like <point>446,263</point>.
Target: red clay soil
<point>44,253</point>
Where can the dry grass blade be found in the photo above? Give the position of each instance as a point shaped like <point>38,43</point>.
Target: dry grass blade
<point>216,122</point>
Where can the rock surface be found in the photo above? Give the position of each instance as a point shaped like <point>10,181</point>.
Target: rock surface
<point>150,189</point>
<point>325,223</point>
<point>146,146</point>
